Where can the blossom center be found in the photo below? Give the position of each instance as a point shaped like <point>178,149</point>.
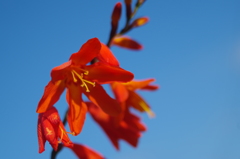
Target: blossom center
<point>76,77</point>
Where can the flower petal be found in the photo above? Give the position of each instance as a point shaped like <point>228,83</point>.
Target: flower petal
<point>107,56</point>
<point>138,103</point>
<point>103,73</point>
<point>126,42</point>
<point>124,131</point>
<point>120,91</point>
<point>104,121</point>
<point>100,98</point>
<point>77,108</point>
<point>51,95</point>
<point>84,152</point>
<point>41,138</point>
<point>150,87</point>
<point>134,121</point>
<point>87,52</point>
<point>50,133</point>
<point>60,72</point>
<point>133,85</point>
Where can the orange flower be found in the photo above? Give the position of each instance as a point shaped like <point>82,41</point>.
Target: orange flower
<point>78,78</point>
<point>84,152</point>
<point>126,95</point>
<point>50,128</point>
<point>129,129</point>
<point>107,56</point>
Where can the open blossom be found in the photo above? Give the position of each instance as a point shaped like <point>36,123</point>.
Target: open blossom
<point>79,78</point>
<point>84,152</point>
<point>126,94</point>
<point>129,129</point>
<point>50,128</point>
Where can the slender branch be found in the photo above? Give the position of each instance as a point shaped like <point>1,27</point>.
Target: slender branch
<point>54,153</point>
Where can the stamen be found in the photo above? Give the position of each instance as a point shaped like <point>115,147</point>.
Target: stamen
<point>82,80</point>
<point>86,73</point>
<point>62,132</point>
<point>72,133</point>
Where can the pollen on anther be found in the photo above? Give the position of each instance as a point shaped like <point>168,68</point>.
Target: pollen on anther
<point>86,73</point>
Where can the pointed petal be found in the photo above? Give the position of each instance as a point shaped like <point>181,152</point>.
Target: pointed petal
<point>77,108</point>
<point>60,72</point>
<point>100,98</point>
<point>104,122</point>
<point>51,95</point>
<point>116,120</point>
<point>87,52</point>
<point>107,56</point>
<point>124,131</point>
<point>151,87</point>
<point>103,73</point>
<point>127,43</point>
<point>41,138</point>
<point>53,117</point>
<point>128,134</point>
<point>138,103</point>
<point>133,85</point>
<point>84,152</point>
<point>134,121</point>
<point>120,91</point>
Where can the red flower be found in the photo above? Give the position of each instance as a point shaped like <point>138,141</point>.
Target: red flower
<point>129,129</point>
<point>50,128</point>
<point>84,152</point>
<point>107,56</point>
<point>78,78</point>
<point>126,94</point>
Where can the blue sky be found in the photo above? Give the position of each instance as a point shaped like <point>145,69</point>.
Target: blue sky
<point>192,49</point>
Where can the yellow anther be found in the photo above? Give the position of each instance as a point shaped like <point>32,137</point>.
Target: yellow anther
<point>86,73</point>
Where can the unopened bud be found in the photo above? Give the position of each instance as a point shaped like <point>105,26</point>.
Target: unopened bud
<point>139,22</point>
<point>116,13</point>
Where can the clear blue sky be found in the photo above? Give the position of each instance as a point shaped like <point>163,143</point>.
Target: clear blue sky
<point>191,47</point>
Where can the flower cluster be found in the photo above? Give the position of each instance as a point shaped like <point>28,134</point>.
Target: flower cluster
<point>84,74</point>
